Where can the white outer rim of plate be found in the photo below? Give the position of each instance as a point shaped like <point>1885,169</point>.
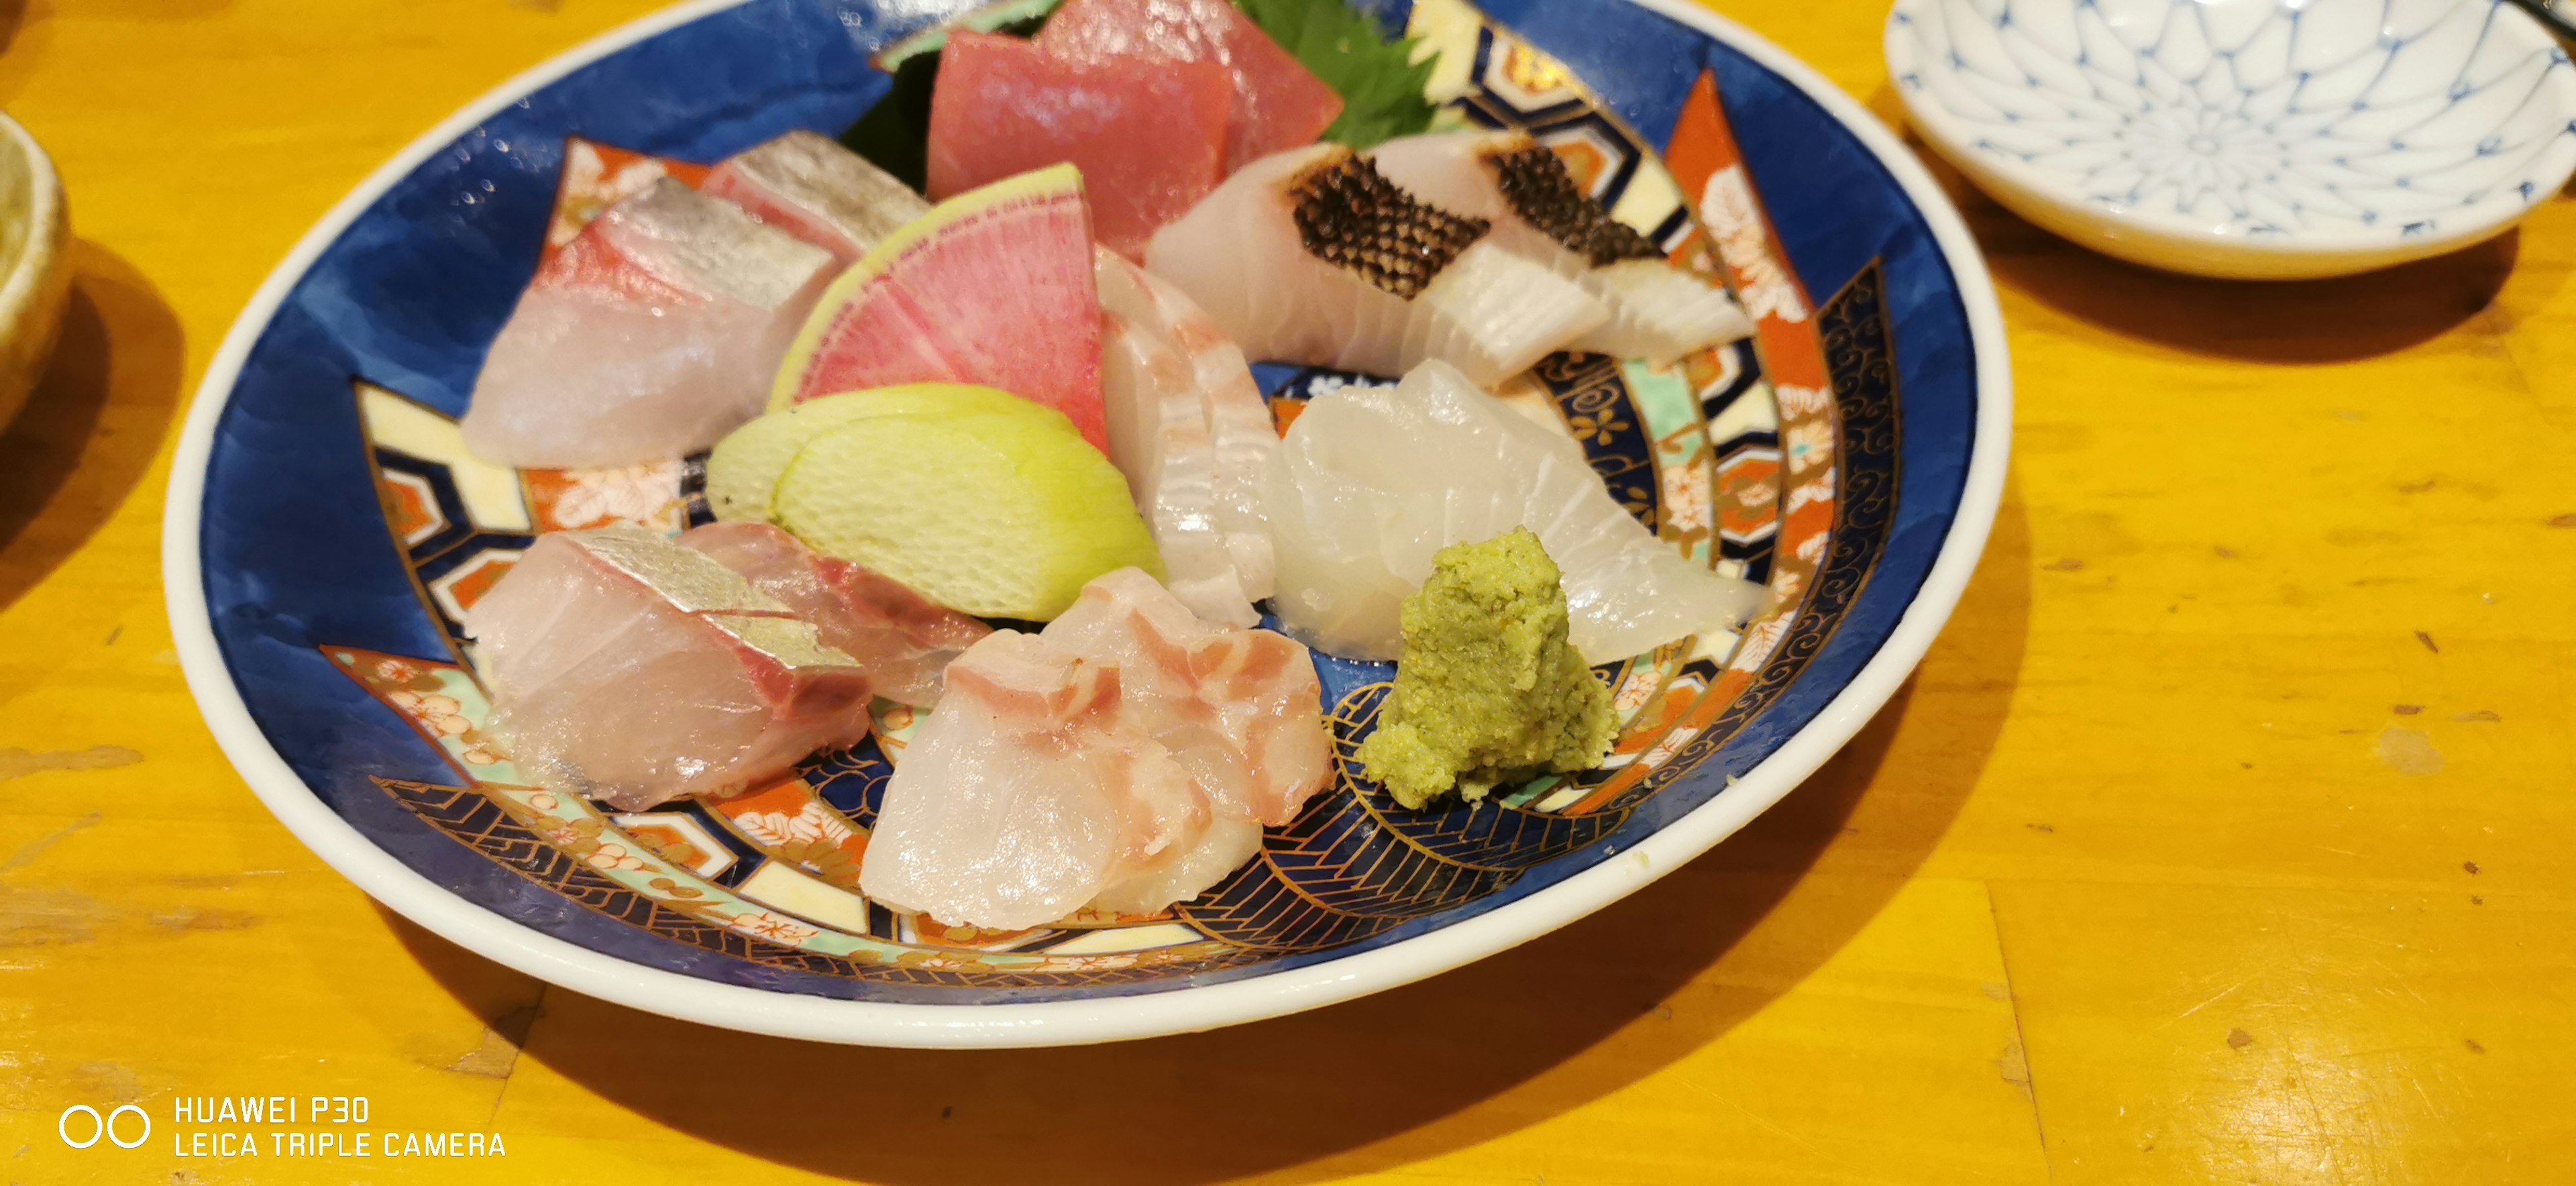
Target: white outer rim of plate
<point>1061,1023</point>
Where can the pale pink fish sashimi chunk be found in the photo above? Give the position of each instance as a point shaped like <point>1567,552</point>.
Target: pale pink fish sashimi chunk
<point>1148,136</point>
<point>1278,103</point>
<point>633,670</point>
<point>809,186</point>
<point>1242,709</point>
<point>1288,257</point>
<point>900,639</point>
<point>1657,311</point>
<point>1124,759</point>
<point>1160,441</point>
<point>1026,793</point>
<point>653,333</point>
<point>1238,419</point>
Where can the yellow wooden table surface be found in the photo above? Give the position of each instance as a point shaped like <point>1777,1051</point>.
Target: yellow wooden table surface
<point>2228,834</point>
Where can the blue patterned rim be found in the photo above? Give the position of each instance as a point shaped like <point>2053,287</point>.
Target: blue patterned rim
<point>275,545</point>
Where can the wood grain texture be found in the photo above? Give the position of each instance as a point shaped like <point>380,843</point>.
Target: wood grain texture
<point>2225,836</point>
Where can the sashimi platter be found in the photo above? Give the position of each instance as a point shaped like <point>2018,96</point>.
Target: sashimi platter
<point>1064,520</point>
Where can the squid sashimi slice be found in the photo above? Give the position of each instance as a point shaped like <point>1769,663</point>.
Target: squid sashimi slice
<point>651,334</point>
<point>1278,103</point>
<point>1538,212</point>
<point>1310,256</point>
<point>1028,792</point>
<point>1238,419</point>
<point>1372,481</point>
<point>900,639</point>
<point>809,186</point>
<point>634,670</point>
<point>1148,136</point>
<point>1240,708</point>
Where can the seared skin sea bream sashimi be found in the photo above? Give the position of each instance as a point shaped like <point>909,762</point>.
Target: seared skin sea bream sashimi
<point>1312,257</point>
<point>1657,312</point>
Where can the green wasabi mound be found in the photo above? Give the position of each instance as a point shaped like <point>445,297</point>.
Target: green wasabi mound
<point>1488,691</point>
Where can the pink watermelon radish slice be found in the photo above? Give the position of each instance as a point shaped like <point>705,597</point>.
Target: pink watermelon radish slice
<point>992,287</point>
<point>1149,136</point>
<point>1278,103</point>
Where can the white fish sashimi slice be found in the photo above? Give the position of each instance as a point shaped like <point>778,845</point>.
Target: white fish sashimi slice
<point>1240,708</point>
<point>1230,840</point>
<point>1656,312</point>
<point>1026,794</point>
<point>1159,441</point>
<point>1237,417</point>
<point>651,334</point>
<point>1334,586</point>
<point>1628,604</point>
<point>1279,256</point>
<point>1627,592</point>
<point>628,668</point>
<point>1176,387</point>
<point>1126,759</point>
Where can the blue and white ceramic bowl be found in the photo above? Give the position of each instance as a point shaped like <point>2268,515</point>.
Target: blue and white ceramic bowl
<point>326,530</point>
<point>2261,139</point>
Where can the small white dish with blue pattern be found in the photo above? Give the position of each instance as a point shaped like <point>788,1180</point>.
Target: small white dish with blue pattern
<point>2256,139</point>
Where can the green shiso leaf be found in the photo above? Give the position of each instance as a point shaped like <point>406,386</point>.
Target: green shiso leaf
<point>1377,78</point>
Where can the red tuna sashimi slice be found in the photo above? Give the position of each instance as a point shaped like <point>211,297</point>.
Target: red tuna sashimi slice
<point>1278,103</point>
<point>651,334</point>
<point>1149,136</point>
<point>903,641</point>
<point>597,176</point>
<point>992,287</point>
<point>809,186</point>
<point>635,671</point>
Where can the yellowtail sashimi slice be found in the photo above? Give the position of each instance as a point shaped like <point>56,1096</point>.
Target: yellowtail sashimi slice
<point>634,670</point>
<point>1372,481</point>
<point>992,287</point>
<point>809,186</point>
<point>1657,312</point>
<point>650,335</point>
<point>900,639</point>
<point>1312,257</point>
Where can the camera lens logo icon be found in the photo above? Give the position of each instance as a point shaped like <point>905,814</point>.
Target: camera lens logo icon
<point>101,1126</point>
